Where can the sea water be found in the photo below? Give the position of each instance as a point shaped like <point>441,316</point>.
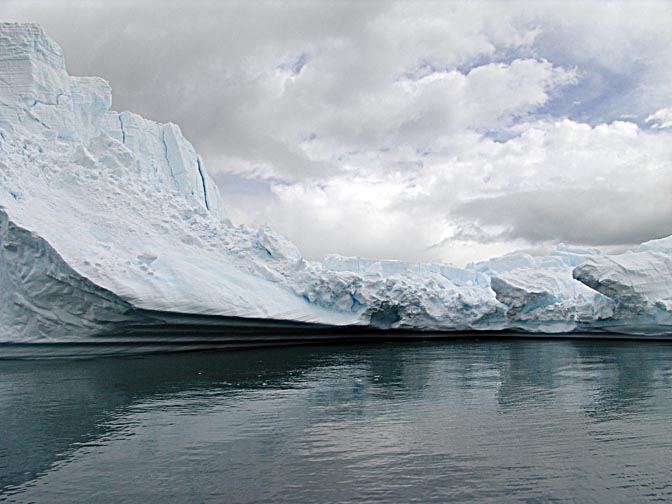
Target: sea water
<point>457,421</point>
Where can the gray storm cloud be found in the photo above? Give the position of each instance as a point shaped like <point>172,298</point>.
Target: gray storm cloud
<point>576,216</point>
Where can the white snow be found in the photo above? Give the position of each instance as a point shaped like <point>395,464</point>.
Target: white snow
<point>123,208</point>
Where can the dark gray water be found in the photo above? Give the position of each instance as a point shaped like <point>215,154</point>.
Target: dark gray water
<point>490,421</point>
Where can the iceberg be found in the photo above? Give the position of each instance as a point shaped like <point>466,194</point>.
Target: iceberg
<point>111,230</point>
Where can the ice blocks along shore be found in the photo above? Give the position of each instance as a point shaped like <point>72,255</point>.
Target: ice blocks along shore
<point>104,215</point>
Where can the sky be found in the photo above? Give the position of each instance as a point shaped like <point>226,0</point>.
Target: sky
<point>450,131</point>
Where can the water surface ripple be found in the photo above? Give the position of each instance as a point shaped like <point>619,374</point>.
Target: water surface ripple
<point>462,421</point>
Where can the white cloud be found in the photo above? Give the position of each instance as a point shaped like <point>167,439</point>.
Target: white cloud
<point>661,118</point>
<point>556,182</point>
<point>416,130</point>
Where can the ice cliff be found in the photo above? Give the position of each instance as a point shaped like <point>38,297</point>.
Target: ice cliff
<point>106,215</point>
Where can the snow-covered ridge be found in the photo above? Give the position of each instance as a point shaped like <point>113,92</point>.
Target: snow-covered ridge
<point>103,213</point>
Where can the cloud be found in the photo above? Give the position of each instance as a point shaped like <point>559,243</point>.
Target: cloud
<point>215,69</point>
<point>581,216</point>
<point>661,118</point>
<point>449,130</point>
<point>561,181</point>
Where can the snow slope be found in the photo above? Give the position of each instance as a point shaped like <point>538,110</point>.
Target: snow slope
<point>106,213</point>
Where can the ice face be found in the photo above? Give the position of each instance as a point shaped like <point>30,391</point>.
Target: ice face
<point>126,202</point>
<point>106,213</point>
<point>39,97</point>
<point>42,298</point>
<point>639,282</point>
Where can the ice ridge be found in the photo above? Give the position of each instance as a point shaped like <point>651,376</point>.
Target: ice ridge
<point>103,213</point>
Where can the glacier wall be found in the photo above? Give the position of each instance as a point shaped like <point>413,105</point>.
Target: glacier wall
<point>103,213</point>
<point>42,299</point>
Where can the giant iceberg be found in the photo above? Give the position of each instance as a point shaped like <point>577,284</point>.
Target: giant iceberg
<point>112,230</point>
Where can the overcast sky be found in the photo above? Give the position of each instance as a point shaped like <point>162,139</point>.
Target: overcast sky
<point>412,130</point>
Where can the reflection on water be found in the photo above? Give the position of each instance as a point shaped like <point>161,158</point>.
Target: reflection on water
<point>465,421</point>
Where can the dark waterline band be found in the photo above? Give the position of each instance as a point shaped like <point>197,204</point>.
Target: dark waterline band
<point>149,331</point>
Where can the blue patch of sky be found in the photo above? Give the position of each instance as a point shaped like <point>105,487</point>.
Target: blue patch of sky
<point>347,155</point>
<point>503,55</point>
<point>600,96</point>
<point>429,66</point>
<point>295,66</point>
<point>501,135</point>
<point>422,69</point>
<point>423,151</point>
